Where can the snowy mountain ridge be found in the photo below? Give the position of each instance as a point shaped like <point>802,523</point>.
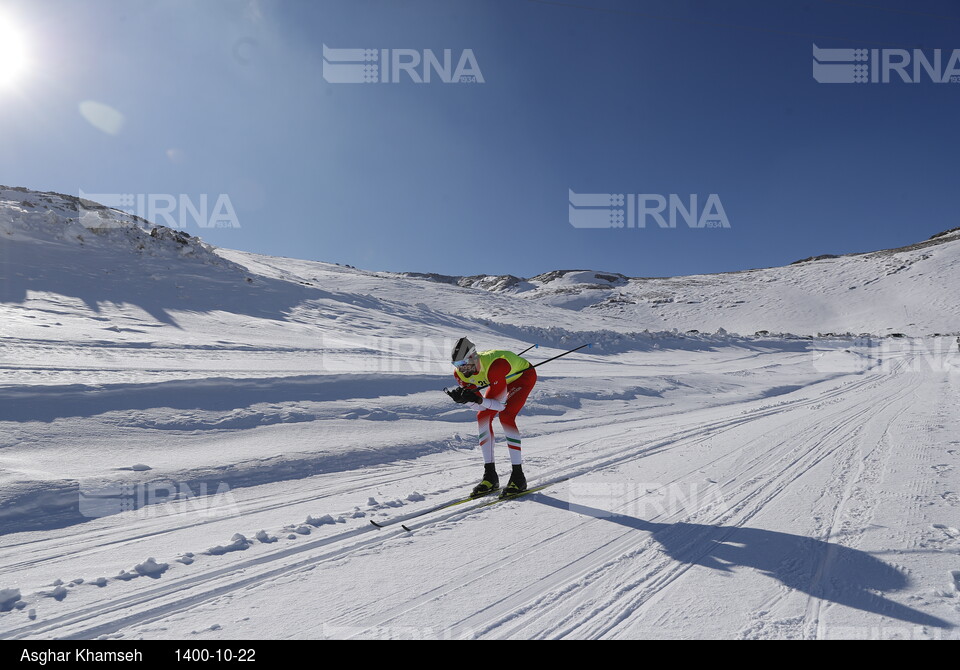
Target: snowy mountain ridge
<point>57,218</point>
<point>879,292</point>
<point>907,277</point>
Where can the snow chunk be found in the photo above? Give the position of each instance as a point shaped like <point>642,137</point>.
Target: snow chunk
<point>8,598</point>
<point>151,568</point>
<point>265,537</point>
<point>58,593</point>
<point>212,627</point>
<point>316,522</point>
<point>237,543</point>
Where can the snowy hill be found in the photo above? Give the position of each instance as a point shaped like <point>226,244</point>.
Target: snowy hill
<point>882,292</point>
<point>194,441</point>
<point>876,293</point>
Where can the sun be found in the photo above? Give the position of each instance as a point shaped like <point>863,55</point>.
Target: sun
<point>13,53</point>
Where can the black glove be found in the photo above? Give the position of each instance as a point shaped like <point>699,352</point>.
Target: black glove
<point>462,395</point>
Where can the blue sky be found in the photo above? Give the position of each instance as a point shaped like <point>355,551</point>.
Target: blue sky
<point>221,98</point>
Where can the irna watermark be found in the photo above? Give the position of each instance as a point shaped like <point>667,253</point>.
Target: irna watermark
<point>891,354</point>
<point>146,498</point>
<point>883,66</point>
<point>645,500</point>
<point>374,353</point>
<point>394,66</point>
<point>174,211</point>
<point>887,632</point>
<point>331,632</point>
<point>637,210</point>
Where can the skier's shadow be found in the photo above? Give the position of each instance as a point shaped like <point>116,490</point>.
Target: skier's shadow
<point>825,570</point>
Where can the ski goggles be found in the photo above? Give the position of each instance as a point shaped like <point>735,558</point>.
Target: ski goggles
<point>463,362</point>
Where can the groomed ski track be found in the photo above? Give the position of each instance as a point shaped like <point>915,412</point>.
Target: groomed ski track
<point>790,501</point>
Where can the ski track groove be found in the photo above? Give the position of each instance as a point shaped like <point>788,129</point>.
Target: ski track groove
<point>149,605</point>
<point>612,555</point>
<point>76,536</point>
<point>670,568</point>
<point>845,483</point>
<point>865,465</point>
<point>797,469</point>
<point>185,593</point>
<point>786,474</point>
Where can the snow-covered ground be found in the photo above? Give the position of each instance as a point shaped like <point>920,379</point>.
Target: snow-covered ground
<point>193,442</point>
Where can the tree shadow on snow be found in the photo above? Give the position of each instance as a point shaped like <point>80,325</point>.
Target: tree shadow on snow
<point>824,570</point>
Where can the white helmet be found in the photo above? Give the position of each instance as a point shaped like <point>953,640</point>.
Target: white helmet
<point>463,350</point>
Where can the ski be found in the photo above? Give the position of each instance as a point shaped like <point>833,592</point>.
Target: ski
<point>504,497</point>
<point>499,499</point>
<point>431,510</point>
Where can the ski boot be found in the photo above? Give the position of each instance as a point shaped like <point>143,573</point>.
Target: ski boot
<point>490,483</point>
<point>517,483</point>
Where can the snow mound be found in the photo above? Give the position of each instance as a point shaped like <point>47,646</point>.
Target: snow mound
<point>8,598</point>
<point>58,219</point>
<point>316,522</point>
<point>237,543</point>
<point>150,568</point>
<point>580,279</point>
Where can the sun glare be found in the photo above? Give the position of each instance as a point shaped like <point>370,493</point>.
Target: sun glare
<point>13,53</point>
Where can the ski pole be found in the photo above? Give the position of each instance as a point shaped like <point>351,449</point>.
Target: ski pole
<point>589,344</point>
<point>480,388</point>
<point>532,346</point>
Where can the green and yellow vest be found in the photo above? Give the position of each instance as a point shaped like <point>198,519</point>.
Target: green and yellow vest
<point>517,365</point>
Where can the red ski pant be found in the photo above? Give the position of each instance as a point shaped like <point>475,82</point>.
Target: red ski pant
<point>517,392</point>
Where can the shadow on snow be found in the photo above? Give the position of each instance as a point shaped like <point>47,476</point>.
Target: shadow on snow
<point>824,570</point>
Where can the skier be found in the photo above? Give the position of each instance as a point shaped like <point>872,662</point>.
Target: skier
<point>510,379</point>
